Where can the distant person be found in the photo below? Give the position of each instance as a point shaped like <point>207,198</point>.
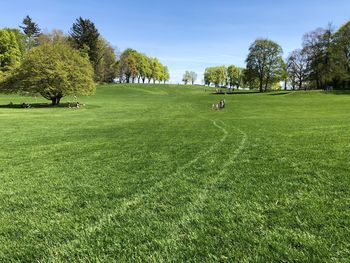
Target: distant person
<point>25,105</point>
<point>213,106</point>
<point>217,106</point>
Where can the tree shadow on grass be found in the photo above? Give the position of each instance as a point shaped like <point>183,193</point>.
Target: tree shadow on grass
<point>235,93</point>
<point>337,92</point>
<point>279,93</point>
<point>43,106</point>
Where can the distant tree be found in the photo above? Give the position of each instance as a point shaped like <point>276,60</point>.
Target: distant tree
<point>52,71</point>
<point>31,30</point>
<point>143,67</point>
<point>56,36</point>
<point>10,53</point>
<point>234,76</point>
<point>265,60</point>
<point>156,69</point>
<point>208,76</point>
<point>128,65</point>
<point>216,76</point>
<point>106,70</point>
<point>166,74</point>
<point>149,71</point>
<point>297,68</point>
<point>187,77</point>
<point>193,77</point>
<point>220,76</point>
<point>84,35</point>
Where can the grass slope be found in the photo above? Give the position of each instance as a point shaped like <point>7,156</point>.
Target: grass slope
<point>150,173</point>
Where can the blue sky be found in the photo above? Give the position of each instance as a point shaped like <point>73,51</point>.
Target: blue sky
<point>186,35</point>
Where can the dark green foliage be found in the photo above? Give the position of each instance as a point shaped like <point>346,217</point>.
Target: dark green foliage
<point>84,34</point>
<point>32,32</point>
<point>265,63</point>
<point>30,28</point>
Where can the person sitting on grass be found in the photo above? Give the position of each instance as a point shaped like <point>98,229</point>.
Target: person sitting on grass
<point>25,105</point>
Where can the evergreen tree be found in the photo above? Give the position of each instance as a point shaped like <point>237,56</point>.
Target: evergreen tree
<point>84,35</point>
<point>31,30</point>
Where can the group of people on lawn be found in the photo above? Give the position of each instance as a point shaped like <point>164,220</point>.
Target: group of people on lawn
<point>218,106</point>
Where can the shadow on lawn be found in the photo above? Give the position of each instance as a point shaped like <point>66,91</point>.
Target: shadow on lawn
<point>235,93</point>
<point>35,106</point>
<point>278,93</point>
<point>338,92</point>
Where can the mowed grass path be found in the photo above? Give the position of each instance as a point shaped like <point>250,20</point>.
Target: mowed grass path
<point>149,173</point>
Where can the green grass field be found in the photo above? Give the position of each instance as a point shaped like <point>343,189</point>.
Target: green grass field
<point>150,173</point>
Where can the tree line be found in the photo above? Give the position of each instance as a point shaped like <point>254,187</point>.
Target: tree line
<point>323,62</point>
<point>134,66</point>
<point>53,64</point>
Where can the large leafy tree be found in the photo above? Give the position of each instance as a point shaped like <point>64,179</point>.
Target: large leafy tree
<point>297,68</point>
<point>106,70</point>
<point>265,62</point>
<point>52,71</point>
<point>85,36</point>
<point>128,65</point>
<point>10,53</point>
<point>341,53</point>
<point>317,47</point>
<point>216,76</point>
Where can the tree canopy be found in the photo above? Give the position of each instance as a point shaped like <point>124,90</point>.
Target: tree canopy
<point>265,62</point>
<point>52,71</point>
<point>10,53</point>
<point>133,65</point>
<point>84,35</point>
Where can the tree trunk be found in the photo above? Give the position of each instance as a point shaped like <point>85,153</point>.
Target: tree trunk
<point>56,100</point>
<point>261,85</point>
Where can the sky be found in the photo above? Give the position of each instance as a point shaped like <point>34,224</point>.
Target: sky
<point>186,35</point>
